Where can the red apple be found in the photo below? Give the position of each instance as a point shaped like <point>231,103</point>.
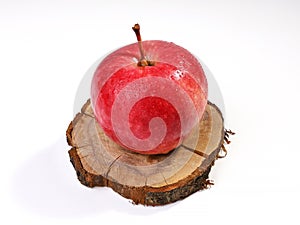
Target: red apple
<point>148,96</point>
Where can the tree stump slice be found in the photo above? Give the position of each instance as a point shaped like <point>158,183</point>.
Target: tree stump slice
<point>145,179</point>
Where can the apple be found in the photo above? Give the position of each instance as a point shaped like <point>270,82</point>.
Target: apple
<point>148,96</point>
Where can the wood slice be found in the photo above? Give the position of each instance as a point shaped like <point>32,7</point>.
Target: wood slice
<point>146,179</point>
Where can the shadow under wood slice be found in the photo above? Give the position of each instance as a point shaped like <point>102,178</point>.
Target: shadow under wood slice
<point>146,179</point>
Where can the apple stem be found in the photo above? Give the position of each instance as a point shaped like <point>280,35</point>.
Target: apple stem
<point>143,61</point>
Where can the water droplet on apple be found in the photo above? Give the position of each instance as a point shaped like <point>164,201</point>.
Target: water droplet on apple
<point>177,75</point>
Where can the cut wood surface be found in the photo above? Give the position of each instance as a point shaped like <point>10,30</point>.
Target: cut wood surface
<point>145,179</point>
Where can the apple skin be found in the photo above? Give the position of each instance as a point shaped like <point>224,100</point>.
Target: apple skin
<point>150,109</point>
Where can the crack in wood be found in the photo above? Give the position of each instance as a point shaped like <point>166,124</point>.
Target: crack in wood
<point>84,156</point>
<point>204,155</point>
<point>87,114</point>
<point>82,146</point>
<point>110,166</point>
<point>164,178</point>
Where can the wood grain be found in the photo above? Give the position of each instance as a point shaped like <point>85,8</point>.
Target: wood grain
<point>146,179</point>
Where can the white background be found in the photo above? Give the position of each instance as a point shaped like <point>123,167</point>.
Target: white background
<point>251,47</point>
